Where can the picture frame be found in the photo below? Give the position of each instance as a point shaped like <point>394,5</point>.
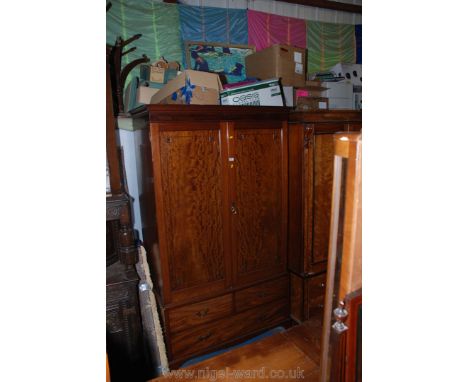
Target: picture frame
<point>227,60</point>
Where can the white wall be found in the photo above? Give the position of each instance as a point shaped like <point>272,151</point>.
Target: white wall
<point>130,141</point>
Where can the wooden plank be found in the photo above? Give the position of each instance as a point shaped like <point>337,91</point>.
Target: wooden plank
<point>334,5</point>
<point>273,356</point>
<point>352,8</point>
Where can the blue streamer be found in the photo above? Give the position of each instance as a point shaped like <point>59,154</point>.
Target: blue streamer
<point>213,25</point>
<point>358,34</point>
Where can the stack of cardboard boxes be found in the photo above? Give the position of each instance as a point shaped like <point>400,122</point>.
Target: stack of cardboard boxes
<point>152,78</point>
<point>288,63</point>
<point>191,87</point>
<point>281,70</point>
<point>346,93</point>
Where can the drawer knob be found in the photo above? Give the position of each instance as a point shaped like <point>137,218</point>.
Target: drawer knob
<point>205,337</point>
<point>322,285</point>
<point>234,208</point>
<point>202,313</point>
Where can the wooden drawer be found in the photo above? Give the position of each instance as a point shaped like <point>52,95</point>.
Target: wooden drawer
<point>200,313</point>
<point>195,341</point>
<point>316,285</point>
<point>261,294</point>
<point>316,295</point>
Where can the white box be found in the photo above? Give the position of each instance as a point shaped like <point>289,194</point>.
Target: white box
<point>352,72</point>
<point>357,101</point>
<point>288,92</point>
<point>262,93</point>
<point>339,94</point>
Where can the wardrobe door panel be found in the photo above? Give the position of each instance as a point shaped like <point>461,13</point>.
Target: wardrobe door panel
<point>322,185</point>
<point>192,199</point>
<point>259,201</point>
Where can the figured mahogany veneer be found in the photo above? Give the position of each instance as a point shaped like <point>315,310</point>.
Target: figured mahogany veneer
<point>215,218</point>
<point>311,155</point>
<point>200,313</point>
<point>307,297</point>
<point>261,294</point>
<point>203,337</point>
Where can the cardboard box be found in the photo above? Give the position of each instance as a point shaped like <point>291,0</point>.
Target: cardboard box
<point>278,61</point>
<point>190,88</point>
<point>339,94</point>
<point>312,103</point>
<point>313,83</point>
<point>263,93</point>
<point>157,74</point>
<point>149,84</point>
<point>144,94</point>
<point>152,73</point>
<point>139,93</point>
<point>311,91</point>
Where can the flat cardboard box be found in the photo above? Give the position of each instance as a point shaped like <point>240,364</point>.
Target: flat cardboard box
<point>144,94</point>
<point>312,103</point>
<point>191,87</point>
<point>310,91</point>
<point>263,93</point>
<point>313,83</point>
<point>278,61</point>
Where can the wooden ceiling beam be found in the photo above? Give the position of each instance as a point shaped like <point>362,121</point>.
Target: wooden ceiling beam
<point>327,4</point>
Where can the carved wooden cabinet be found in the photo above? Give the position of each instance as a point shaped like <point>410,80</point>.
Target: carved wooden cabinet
<point>124,332</point>
<point>214,215</point>
<point>311,155</point>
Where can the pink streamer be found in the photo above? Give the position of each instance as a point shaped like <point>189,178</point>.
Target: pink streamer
<point>266,29</point>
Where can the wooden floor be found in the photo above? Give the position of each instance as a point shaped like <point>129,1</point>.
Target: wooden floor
<point>288,356</point>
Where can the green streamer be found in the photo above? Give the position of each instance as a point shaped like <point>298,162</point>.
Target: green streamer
<point>329,44</point>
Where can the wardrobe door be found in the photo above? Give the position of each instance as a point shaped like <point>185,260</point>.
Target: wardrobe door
<point>322,191</point>
<point>258,155</point>
<point>191,196</point>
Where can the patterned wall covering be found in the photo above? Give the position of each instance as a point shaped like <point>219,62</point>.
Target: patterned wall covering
<point>165,27</point>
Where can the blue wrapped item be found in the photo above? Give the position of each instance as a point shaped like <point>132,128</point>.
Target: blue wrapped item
<point>186,92</point>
